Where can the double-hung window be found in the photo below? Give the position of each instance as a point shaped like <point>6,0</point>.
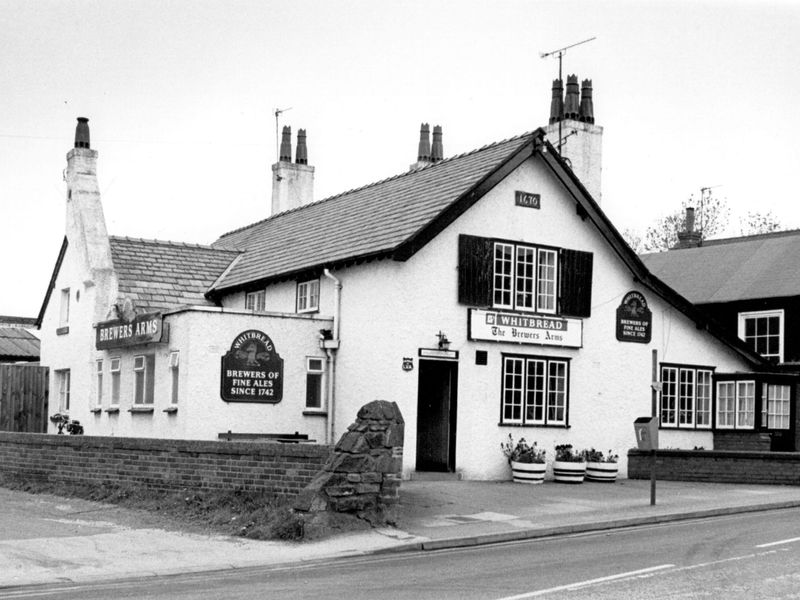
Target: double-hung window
<point>308,296</point>
<point>256,301</point>
<point>143,380</point>
<point>535,391</point>
<point>686,396</point>
<point>315,370</point>
<point>525,277</point>
<point>98,397</point>
<point>114,370</point>
<point>763,332</point>
<point>63,385</point>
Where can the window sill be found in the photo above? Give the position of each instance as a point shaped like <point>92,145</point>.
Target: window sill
<point>534,425</point>
<point>113,410</point>
<point>141,409</point>
<point>315,413</point>
<point>171,410</point>
<point>62,330</point>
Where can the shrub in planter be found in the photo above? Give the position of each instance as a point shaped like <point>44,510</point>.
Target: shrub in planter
<point>569,465</point>
<point>600,467</point>
<point>527,461</point>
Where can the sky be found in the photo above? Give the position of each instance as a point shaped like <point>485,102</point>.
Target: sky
<point>181,96</point>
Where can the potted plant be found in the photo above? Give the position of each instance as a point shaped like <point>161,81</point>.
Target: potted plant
<point>527,461</point>
<point>569,465</point>
<point>600,467</point>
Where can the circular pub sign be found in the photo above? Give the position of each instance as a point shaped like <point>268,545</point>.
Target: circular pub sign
<point>252,370</point>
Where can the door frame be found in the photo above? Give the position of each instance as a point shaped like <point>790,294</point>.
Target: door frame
<point>452,409</point>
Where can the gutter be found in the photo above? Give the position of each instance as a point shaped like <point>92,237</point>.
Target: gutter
<point>330,347</point>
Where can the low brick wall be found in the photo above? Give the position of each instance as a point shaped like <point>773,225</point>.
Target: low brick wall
<point>742,441</point>
<point>282,469</point>
<point>719,466</point>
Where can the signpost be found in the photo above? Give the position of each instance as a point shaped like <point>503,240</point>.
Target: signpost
<point>634,319</point>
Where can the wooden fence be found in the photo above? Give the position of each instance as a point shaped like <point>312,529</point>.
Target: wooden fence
<point>23,398</point>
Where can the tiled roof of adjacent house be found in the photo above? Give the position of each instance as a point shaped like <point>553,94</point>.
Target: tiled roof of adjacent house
<point>18,344</point>
<point>159,275</point>
<point>364,223</point>
<point>744,268</point>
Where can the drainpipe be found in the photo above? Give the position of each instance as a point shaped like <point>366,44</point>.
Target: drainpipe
<point>330,346</point>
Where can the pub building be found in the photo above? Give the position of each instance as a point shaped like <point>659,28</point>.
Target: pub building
<point>486,293</point>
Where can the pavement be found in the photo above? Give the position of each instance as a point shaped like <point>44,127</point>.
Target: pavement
<point>47,539</point>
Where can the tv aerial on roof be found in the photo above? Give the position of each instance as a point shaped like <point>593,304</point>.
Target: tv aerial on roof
<point>278,113</point>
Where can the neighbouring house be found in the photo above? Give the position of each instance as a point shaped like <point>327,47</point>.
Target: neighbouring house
<point>17,343</point>
<point>751,286</point>
<point>486,293</point>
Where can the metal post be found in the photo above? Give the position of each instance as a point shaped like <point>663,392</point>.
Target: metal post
<point>654,414</point>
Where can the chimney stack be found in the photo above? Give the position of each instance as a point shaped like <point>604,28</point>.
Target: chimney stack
<point>689,238</point>
<point>292,182</point>
<point>437,150</point>
<point>572,124</point>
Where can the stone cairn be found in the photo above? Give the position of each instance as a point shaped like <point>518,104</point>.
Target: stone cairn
<point>362,475</point>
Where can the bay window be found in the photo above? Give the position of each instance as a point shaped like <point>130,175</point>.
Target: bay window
<point>686,396</point>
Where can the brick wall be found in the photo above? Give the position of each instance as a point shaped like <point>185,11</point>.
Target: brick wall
<point>782,468</point>
<point>282,469</point>
<point>742,440</point>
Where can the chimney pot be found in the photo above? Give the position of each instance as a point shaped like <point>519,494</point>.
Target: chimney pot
<point>587,106</point>
<point>557,103</point>
<point>689,219</point>
<point>571,102</point>
<point>424,151</point>
<point>437,150</point>
<point>286,145</point>
<point>301,157</point>
<point>82,133</point>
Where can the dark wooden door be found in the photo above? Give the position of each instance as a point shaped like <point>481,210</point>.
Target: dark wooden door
<point>436,415</point>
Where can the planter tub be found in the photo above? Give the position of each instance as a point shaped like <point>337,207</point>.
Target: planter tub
<point>601,471</point>
<point>528,472</point>
<point>569,472</point>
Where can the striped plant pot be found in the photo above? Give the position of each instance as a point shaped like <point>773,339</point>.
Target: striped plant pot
<point>601,471</point>
<point>528,472</point>
<point>569,472</point>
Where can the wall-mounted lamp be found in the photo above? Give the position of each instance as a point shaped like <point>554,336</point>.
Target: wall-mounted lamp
<point>444,343</point>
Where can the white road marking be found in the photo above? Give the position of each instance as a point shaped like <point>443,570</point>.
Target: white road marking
<point>778,543</point>
<point>580,584</point>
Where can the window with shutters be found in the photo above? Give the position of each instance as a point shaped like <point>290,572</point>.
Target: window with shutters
<point>524,277</point>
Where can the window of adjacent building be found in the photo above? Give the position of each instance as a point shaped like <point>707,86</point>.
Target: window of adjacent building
<point>99,383</point>
<point>63,315</point>
<point>143,380</point>
<point>308,296</point>
<point>535,391</point>
<point>63,386</point>
<point>775,406</point>
<point>315,370</point>
<point>256,301</point>
<point>524,277</point>
<point>114,371</point>
<point>685,396</point>
<point>174,363</point>
<point>763,331</point>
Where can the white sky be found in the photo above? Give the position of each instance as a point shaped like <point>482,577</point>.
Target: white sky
<point>181,95</point>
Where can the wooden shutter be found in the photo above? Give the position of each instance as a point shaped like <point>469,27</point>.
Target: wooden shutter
<point>575,276</point>
<point>475,268</point>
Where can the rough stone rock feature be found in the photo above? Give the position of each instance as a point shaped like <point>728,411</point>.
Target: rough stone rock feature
<point>362,476</point>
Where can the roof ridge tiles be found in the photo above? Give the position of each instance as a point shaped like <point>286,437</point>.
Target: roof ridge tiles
<point>168,243</point>
<point>407,173</point>
<point>754,236</point>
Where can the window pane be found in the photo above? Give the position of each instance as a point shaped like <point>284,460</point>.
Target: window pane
<point>534,394</point>
<point>525,277</point>
<point>557,393</point>
<point>703,403</point>
<point>669,395</point>
<point>546,284</point>
<point>512,390</point>
<point>726,404</point>
<point>745,404</point>
<point>778,406</point>
<point>503,281</point>
<point>686,397</point>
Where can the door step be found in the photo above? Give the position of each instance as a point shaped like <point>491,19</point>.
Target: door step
<point>434,476</point>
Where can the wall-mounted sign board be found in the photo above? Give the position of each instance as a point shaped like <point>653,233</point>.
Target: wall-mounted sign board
<point>527,199</point>
<point>520,328</point>
<point>634,319</point>
<point>252,370</point>
<point>143,329</point>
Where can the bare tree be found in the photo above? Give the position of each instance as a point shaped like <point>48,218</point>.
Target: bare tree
<point>663,234</point>
<point>758,222</point>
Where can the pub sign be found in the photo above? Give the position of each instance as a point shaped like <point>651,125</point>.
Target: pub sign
<point>634,319</point>
<point>252,370</point>
<point>143,329</point>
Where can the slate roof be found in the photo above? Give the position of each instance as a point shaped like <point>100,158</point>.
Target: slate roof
<point>368,222</point>
<point>18,344</point>
<point>744,268</point>
<point>159,275</point>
